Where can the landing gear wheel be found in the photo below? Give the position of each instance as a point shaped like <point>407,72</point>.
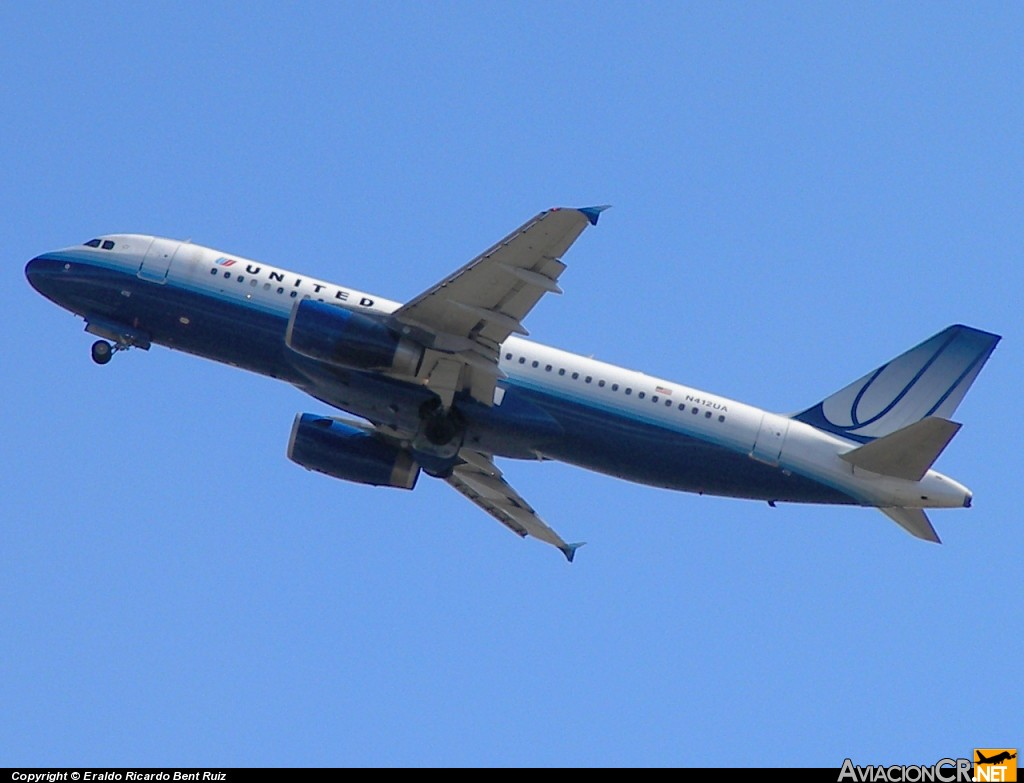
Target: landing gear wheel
<point>440,433</point>
<point>102,351</point>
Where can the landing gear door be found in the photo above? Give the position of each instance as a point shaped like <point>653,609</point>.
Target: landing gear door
<point>770,437</point>
<point>157,261</point>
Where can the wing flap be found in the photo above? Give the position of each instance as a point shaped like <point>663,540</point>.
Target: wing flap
<point>480,480</point>
<point>507,279</point>
<point>477,307</point>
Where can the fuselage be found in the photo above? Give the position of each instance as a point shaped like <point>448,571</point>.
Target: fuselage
<point>551,404</point>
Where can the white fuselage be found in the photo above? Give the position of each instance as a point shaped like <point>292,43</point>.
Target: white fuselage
<point>780,442</point>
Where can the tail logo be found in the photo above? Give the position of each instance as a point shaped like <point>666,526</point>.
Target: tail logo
<point>928,380</point>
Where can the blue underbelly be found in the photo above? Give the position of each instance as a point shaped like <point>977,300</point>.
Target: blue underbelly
<point>252,338</point>
<point>638,451</point>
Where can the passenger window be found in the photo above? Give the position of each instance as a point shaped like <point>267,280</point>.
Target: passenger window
<point>213,271</point>
<point>294,294</point>
<point>641,395</point>
<point>668,403</point>
<point>547,368</point>
<point>240,279</point>
<point>707,414</point>
<point>227,275</point>
<point>629,390</point>
<point>589,379</point>
<point>562,371</point>
<point>508,356</point>
<point>266,286</point>
<point>682,407</point>
<point>615,387</point>
<point>108,244</point>
<point>253,282</point>
<point>522,360</point>
<point>721,418</point>
<point>694,411</point>
<point>93,243</point>
<point>600,383</point>
<point>654,398</point>
<point>535,364</point>
<point>280,290</point>
<point>575,376</point>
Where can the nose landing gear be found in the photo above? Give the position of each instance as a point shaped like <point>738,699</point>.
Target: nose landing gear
<point>118,337</point>
<point>102,352</point>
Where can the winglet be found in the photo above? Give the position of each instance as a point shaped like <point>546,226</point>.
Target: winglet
<point>592,214</point>
<point>569,550</point>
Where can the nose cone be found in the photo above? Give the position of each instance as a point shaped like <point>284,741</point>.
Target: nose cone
<point>34,271</point>
<point>42,274</point>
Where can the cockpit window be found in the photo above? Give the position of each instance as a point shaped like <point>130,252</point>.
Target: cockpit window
<point>93,243</point>
<point>108,244</point>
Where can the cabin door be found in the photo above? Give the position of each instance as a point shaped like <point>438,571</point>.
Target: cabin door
<point>157,261</point>
<point>770,437</point>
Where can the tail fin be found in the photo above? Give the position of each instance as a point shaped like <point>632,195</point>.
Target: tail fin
<point>928,380</point>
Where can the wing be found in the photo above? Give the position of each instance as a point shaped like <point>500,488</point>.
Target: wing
<point>464,319</point>
<point>479,479</point>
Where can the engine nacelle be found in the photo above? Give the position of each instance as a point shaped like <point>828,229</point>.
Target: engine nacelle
<point>340,450</point>
<point>346,338</point>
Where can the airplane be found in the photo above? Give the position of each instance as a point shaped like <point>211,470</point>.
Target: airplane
<point>447,382</point>
<point>999,758</point>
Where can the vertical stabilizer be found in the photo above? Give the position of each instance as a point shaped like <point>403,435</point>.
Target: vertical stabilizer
<point>928,380</point>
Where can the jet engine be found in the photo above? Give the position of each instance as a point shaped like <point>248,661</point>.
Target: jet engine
<point>349,452</point>
<point>340,336</point>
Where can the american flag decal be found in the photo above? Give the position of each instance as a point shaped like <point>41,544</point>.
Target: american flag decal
<point>222,261</point>
<point>663,390</point>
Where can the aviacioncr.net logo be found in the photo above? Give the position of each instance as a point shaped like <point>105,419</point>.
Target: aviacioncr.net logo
<point>995,764</point>
<point>942,771</point>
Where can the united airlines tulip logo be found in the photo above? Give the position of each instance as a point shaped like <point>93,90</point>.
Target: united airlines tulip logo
<point>928,380</point>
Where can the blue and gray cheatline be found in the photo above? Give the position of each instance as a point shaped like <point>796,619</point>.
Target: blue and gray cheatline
<point>446,383</point>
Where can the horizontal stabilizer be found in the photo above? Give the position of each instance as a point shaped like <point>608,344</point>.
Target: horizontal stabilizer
<point>907,453</point>
<point>914,521</point>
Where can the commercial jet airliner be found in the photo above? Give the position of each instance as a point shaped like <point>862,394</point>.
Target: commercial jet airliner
<point>446,382</point>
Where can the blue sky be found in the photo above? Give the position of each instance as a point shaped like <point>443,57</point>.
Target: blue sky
<point>800,191</point>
